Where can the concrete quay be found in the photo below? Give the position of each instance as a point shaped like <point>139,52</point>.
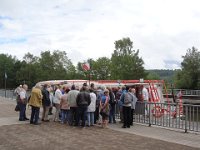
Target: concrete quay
<point>53,135</point>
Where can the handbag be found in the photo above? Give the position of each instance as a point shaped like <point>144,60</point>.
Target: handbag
<point>17,108</point>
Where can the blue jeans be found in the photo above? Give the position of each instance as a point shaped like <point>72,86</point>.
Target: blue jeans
<point>65,115</point>
<point>112,114</point>
<point>81,115</point>
<point>90,118</point>
<point>34,114</point>
<point>22,113</point>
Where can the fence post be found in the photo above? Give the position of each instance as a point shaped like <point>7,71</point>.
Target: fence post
<point>5,93</point>
<point>149,104</point>
<point>186,117</point>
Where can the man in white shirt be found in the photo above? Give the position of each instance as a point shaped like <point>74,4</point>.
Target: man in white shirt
<point>57,98</point>
<point>145,97</point>
<point>145,94</point>
<point>18,89</point>
<point>22,103</point>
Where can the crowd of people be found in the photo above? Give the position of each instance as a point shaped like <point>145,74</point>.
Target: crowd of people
<point>78,106</point>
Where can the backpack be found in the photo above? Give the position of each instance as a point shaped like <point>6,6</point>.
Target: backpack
<point>128,98</point>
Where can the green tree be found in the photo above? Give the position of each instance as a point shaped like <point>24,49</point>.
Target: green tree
<point>7,65</point>
<point>125,62</point>
<point>153,76</point>
<point>56,65</point>
<point>28,71</point>
<point>17,67</point>
<point>101,69</point>
<point>46,66</point>
<point>189,75</point>
<point>49,66</point>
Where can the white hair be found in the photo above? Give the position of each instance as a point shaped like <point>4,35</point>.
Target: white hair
<point>103,87</point>
<point>38,85</point>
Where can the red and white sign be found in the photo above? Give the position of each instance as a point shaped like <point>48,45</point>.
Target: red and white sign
<point>86,66</point>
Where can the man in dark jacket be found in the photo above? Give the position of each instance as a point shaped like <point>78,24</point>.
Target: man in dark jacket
<point>45,103</point>
<point>83,100</point>
<point>112,103</point>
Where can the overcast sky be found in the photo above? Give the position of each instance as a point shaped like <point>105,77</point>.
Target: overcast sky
<point>161,29</point>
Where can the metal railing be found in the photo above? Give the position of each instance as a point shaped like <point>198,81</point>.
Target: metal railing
<point>10,93</point>
<point>184,92</point>
<point>7,93</point>
<point>170,115</point>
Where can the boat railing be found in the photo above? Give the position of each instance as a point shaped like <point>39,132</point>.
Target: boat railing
<point>184,92</point>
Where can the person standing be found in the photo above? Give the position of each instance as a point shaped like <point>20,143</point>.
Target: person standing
<point>133,103</point>
<point>22,101</point>
<point>112,103</point>
<point>45,103</point>
<point>64,106</point>
<point>83,100</point>
<point>72,95</point>
<point>104,108</point>
<point>98,99</point>
<point>91,108</point>
<point>35,102</point>
<point>128,98</point>
<point>51,97</point>
<point>119,103</point>
<point>123,91</point>
<point>145,99</point>
<point>57,99</point>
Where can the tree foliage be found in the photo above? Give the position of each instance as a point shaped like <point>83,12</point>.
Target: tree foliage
<point>125,62</point>
<point>153,76</point>
<point>32,69</point>
<point>56,65</point>
<point>101,69</point>
<point>189,75</point>
<point>7,66</point>
<point>162,74</point>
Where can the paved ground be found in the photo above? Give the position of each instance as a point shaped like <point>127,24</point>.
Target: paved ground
<point>18,135</point>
